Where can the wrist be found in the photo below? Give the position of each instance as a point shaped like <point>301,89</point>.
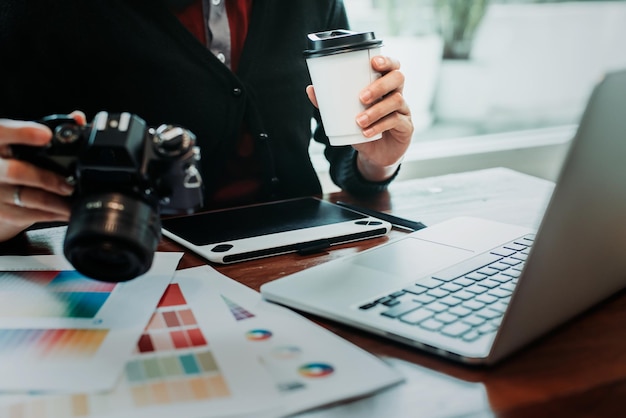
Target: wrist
<point>376,173</point>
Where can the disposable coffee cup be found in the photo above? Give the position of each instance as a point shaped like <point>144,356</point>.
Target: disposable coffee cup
<point>339,64</point>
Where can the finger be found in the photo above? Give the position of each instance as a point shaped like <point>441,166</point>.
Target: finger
<point>393,103</point>
<point>400,125</point>
<point>14,219</point>
<point>384,124</point>
<point>16,172</point>
<point>23,132</point>
<point>393,81</point>
<point>35,200</point>
<point>384,64</point>
<point>310,91</point>
<point>21,218</point>
<point>79,117</point>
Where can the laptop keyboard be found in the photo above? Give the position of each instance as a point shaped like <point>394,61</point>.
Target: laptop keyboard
<point>465,301</point>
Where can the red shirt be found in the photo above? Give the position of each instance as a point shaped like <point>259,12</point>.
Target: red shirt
<point>240,181</point>
<point>238,12</point>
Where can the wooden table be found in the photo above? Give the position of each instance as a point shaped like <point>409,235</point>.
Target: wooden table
<point>578,370</point>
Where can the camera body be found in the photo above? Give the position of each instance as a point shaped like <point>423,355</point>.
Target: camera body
<point>126,174</point>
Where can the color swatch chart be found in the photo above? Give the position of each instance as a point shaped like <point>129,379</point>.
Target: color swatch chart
<point>213,348</point>
<point>173,326</point>
<point>54,321</point>
<point>50,294</point>
<point>51,343</point>
<point>65,294</point>
<point>172,366</point>
<point>173,361</point>
<point>237,311</point>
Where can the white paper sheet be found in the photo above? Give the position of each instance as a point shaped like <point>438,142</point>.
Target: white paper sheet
<point>498,194</point>
<point>309,365</point>
<point>61,331</point>
<point>214,348</point>
<point>426,393</point>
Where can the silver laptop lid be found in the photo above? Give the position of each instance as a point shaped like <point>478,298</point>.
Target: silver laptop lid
<point>578,258</point>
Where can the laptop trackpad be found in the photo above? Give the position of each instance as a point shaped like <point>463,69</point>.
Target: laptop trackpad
<point>412,258</point>
<point>367,275</point>
<point>390,267</point>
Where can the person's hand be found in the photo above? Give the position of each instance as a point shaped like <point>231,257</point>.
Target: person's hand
<point>388,113</point>
<point>29,194</point>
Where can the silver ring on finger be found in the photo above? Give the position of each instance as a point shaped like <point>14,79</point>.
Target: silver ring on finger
<point>17,197</point>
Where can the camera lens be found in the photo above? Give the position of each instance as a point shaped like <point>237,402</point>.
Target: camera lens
<point>112,237</point>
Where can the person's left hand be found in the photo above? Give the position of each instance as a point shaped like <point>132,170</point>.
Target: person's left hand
<point>388,113</point>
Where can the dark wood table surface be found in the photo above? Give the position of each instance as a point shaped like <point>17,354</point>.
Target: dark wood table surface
<point>577,370</point>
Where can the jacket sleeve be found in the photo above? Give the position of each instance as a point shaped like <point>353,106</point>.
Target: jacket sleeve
<point>343,169</point>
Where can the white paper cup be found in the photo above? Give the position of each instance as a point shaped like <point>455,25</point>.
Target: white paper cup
<point>339,64</point>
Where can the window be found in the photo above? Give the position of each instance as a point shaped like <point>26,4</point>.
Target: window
<point>495,73</point>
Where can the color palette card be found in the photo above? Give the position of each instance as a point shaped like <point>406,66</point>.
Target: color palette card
<point>182,366</point>
<point>214,348</point>
<point>61,331</point>
<point>309,366</point>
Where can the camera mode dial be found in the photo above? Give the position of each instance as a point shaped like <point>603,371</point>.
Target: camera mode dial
<point>172,141</point>
<point>67,133</point>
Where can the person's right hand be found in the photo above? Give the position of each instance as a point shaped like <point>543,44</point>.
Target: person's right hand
<point>29,194</point>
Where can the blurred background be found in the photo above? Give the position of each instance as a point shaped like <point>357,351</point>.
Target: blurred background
<point>495,82</point>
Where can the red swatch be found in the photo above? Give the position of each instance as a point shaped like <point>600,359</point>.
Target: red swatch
<point>173,296</point>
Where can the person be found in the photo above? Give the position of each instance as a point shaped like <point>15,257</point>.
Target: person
<point>239,83</point>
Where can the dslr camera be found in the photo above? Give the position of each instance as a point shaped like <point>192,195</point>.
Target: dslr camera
<point>126,174</point>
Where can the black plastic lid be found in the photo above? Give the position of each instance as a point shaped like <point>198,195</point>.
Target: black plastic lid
<point>338,41</point>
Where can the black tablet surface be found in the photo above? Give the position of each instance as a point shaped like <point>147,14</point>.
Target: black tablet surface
<point>295,225</point>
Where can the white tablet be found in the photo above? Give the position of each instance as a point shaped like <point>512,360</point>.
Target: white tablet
<point>302,225</point>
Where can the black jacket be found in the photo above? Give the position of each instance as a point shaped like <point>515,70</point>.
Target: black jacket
<point>134,55</point>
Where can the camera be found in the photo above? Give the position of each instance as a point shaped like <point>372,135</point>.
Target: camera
<point>126,175</point>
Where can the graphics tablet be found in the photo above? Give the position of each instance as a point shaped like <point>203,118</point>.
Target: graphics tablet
<point>302,225</point>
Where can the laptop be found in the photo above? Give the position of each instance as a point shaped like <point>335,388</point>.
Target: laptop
<point>475,290</point>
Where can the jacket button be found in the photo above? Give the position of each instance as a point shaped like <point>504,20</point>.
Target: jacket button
<point>237,92</point>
